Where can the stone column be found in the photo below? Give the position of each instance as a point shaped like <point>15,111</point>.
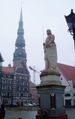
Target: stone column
<point>51,100</point>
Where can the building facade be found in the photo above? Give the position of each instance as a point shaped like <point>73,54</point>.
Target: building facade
<point>6,88</point>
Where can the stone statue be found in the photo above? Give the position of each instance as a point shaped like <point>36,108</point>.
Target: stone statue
<point>50,53</point>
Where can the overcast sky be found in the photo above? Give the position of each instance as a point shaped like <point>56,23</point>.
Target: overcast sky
<point>38,15</point>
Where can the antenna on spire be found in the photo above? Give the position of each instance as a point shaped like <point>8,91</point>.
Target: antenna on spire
<point>21,12</point>
<point>21,16</point>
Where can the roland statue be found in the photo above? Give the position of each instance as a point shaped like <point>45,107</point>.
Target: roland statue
<point>50,54</point>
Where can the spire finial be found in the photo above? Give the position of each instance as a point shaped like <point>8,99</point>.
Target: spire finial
<point>21,14</point>
<point>21,3</point>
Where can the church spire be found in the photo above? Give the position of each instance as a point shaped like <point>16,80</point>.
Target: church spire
<point>20,28</point>
<point>20,53</point>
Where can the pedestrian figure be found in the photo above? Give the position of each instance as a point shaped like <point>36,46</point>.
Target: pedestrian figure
<point>2,111</point>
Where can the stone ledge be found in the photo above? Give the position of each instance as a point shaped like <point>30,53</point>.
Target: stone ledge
<point>50,86</point>
<point>49,73</point>
<point>50,79</point>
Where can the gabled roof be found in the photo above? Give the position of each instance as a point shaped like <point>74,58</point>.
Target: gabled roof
<point>68,72</point>
<point>8,69</point>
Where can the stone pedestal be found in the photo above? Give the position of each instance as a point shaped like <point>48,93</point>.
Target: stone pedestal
<point>51,100</point>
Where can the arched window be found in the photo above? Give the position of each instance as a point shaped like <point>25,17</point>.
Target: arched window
<point>53,101</point>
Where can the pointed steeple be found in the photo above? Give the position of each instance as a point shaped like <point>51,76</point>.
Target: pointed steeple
<point>20,42</point>
<point>20,53</point>
<point>20,29</point>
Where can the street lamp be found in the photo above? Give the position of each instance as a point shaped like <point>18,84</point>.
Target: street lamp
<point>70,19</point>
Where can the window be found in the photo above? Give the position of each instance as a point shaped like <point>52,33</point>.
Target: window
<point>22,94</point>
<point>18,88</point>
<point>39,101</point>
<point>61,78</point>
<point>7,94</point>
<point>9,81</point>
<point>53,101</point>
<point>3,94</point>
<point>23,82</point>
<point>4,87</point>
<point>74,94</point>
<point>26,89</point>
<point>23,89</point>
<point>67,94</point>
<point>67,102</point>
<point>20,77</point>
<point>3,80</point>
<point>9,87</point>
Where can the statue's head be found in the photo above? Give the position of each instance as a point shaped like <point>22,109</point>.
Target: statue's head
<point>48,31</point>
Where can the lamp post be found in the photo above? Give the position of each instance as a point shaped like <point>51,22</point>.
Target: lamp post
<point>70,19</point>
